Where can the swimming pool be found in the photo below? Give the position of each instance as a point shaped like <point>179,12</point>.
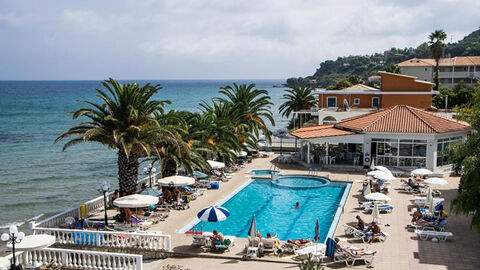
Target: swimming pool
<point>273,207</point>
<point>263,172</point>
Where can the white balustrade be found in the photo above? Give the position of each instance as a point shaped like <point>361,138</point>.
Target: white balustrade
<point>141,241</point>
<point>80,259</point>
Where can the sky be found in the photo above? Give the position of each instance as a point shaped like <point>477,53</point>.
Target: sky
<point>211,39</point>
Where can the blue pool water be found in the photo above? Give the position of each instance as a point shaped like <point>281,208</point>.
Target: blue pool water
<point>263,172</point>
<point>273,207</point>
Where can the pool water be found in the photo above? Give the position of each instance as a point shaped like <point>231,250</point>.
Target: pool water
<point>264,172</point>
<point>273,207</point>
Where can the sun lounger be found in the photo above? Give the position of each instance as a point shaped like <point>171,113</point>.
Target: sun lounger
<point>422,201</point>
<point>316,251</point>
<point>354,232</point>
<point>381,238</point>
<point>268,245</point>
<point>228,243</point>
<point>384,208</point>
<point>253,247</point>
<point>338,255</point>
<point>425,234</point>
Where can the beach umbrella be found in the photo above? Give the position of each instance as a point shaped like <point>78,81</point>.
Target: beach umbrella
<point>383,169</point>
<point>151,192</point>
<point>199,175</point>
<point>375,212</point>
<point>430,203</point>
<point>381,175</point>
<point>372,165</point>
<point>436,181</point>
<point>176,181</point>
<point>377,196</point>
<point>33,242</point>
<point>429,196</point>
<point>213,214</point>
<point>317,231</point>
<point>421,172</point>
<point>135,201</point>
<point>216,164</point>
<point>252,232</point>
<point>368,189</point>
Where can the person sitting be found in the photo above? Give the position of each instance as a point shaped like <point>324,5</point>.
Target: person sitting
<point>217,236</point>
<point>127,215</point>
<point>376,187</point>
<point>417,215</point>
<point>167,194</point>
<point>275,239</point>
<point>412,184</point>
<point>375,230</point>
<point>116,195</point>
<point>360,223</point>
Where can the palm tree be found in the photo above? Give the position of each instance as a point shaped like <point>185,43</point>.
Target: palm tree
<point>251,105</point>
<point>124,121</point>
<point>298,98</point>
<point>436,49</point>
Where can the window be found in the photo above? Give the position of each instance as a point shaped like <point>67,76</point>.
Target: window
<point>394,152</point>
<point>331,102</point>
<point>442,149</point>
<point>376,102</point>
<point>356,101</point>
<point>329,120</point>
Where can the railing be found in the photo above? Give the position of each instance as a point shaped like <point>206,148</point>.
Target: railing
<point>92,206</point>
<point>80,259</point>
<point>122,240</point>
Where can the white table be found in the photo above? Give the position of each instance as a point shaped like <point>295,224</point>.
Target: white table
<point>32,242</point>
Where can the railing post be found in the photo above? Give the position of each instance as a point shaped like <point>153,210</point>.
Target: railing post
<point>139,262</point>
<point>98,238</point>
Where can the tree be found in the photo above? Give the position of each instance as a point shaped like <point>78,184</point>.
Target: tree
<point>251,107</point>
<point>392,68</point>
<point>436,47</point>
<point>123,121</point>
<point>466,159</point>
<point>297,98</point>
<point>355,79</point>
<point>340,84</point>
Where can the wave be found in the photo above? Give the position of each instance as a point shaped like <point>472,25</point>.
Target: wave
<point>20,223</point>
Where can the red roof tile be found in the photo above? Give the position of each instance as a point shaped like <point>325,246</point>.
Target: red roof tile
<point>319,131</point>
<point>402,119</point>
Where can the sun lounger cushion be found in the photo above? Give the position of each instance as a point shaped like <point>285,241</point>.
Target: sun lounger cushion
<point>425,234</point>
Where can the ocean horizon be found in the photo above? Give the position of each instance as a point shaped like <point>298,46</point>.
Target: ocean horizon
<point>38,178</point>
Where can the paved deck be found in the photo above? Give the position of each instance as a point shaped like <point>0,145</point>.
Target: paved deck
<point>401,250</point>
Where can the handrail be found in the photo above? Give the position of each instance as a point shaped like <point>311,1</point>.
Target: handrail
<point>81,259</point>
<point>93,205</point>
<point>142,241</point>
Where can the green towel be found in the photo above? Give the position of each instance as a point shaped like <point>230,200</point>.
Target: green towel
<point>227,242</point>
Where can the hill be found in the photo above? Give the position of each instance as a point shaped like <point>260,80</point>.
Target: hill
<point>367,65</point>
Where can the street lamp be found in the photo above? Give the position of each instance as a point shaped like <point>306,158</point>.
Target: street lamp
<point>150,170</point>
<point>14,237</point>
<point>104,187</point>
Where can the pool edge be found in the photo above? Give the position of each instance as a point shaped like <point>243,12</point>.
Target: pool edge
<point>340,210</point>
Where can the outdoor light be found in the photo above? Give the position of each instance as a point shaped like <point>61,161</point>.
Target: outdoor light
<point>104,187</point>
<point>14,237</point>
<point>150,170</point>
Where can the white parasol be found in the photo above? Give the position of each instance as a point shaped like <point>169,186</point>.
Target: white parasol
<point>372,165</point>
<point>377,196</point>
<point>176,181</point>
<point>216,164</point>
<point>32,242</point>
<point>421,172</point>
<point>381,175</point>
<point>368,189</point>
<point>135,201</point>
<point>383,169</point>
<point>436,181</point>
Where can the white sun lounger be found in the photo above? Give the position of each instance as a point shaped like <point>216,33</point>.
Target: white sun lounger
<point>422,201</point>
<point>253,247</point>
<point>316,251</point>
<point>350,260</point>
<point>425,234</point>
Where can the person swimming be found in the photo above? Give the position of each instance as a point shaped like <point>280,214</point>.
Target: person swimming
<point>297,205</point>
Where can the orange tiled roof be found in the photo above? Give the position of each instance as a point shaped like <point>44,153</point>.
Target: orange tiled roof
<point>319,131</point>
<point>454,61</point>
<point>402,119</point>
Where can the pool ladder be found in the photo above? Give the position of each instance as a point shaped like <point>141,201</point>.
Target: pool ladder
<point>313,171</point>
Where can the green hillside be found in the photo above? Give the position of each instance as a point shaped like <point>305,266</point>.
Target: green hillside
<point>367,65</point>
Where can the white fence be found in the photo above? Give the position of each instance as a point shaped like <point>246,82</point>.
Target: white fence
<point>92,206</point>
<point>140,241</point>
<point>80,259</point>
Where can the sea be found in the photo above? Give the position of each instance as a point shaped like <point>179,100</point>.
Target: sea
<point>37,178</point>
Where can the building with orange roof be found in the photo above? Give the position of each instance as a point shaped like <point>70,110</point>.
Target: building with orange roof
<point>451,70</point>
<point>399,136</point>
<point>396,89</point>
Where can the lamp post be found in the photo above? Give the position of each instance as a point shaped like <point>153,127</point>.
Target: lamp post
<point>104,187</point>
<point>150,170</point>
<point>14,237</point>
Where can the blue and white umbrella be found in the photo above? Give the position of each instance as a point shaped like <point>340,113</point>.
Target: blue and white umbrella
<point>213,214</point>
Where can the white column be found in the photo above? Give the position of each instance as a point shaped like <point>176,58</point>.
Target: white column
<point>301,149</point>
<point>327,161</point>
<point>308,152</point>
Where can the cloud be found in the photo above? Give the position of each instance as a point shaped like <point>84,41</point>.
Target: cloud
<point>212,38</point>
